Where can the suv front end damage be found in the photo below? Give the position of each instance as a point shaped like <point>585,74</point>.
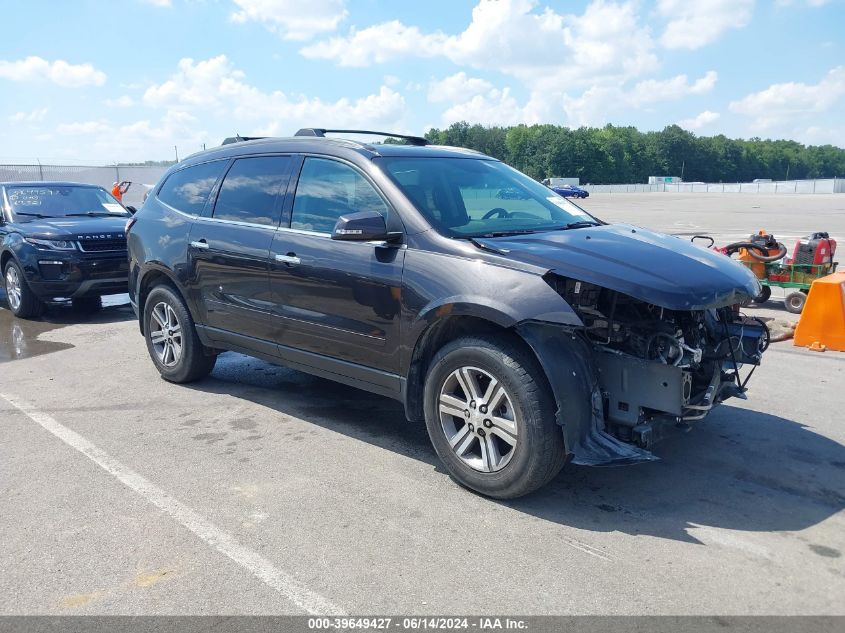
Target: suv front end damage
<point>650,369</point>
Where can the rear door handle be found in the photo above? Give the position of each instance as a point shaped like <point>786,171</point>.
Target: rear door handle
<point>290,259</point>
<point>200,244</point>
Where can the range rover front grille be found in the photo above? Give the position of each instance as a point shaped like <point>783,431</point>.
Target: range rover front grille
<point>102,245</point>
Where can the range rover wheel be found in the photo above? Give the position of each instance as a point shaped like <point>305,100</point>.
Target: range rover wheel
<point>490,417</point>
<point>22,301</point>
<point>172,340</point>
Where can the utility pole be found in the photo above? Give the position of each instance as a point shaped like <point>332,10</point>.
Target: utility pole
<point>683,165</point>
<point>176,149</point>
<point>787,171</point>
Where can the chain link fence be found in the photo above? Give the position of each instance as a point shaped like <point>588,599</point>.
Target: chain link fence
<point>826,185</point>
<point>139,176</point>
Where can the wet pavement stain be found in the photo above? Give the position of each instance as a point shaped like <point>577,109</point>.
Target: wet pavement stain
<point>243,424</point>
<point>823,550</point>
<point>79,599</point>
<point>19,338</point>
<point>210,438</point>
<point>150,578</point>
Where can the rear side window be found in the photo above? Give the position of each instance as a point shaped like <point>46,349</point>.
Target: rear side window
<point>327,190</point>
<point>249,192</point>
<point>187,189</point>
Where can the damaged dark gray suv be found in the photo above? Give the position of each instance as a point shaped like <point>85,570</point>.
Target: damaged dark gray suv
<point>522,330</point>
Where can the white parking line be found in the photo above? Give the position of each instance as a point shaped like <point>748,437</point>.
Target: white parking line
<point>223,542</point>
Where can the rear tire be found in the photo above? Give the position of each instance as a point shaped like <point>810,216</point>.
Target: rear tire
<point>764,295</point>
<point>795,301</point>
<point>172,340</point>
<point>505,443</point>
<point>21,299</point>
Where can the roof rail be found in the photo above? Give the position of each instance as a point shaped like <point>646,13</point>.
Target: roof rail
<point>321,132</point>
<point>239,139</point>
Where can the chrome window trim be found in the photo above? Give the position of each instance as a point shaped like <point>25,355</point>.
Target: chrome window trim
<point>270,227</point>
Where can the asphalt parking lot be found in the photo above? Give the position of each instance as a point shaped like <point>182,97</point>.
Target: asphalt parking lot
<point>264,490</point>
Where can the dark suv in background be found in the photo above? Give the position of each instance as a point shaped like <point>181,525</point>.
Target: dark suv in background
<point>520,328</point>
<point>60,239</point>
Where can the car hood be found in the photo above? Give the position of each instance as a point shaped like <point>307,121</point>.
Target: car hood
<point>660,269</point>
<point>74,228</point>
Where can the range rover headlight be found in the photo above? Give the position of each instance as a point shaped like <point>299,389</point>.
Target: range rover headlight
<point>55,245</point>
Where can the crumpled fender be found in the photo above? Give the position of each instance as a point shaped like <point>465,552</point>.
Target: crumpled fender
<point>567,360</point>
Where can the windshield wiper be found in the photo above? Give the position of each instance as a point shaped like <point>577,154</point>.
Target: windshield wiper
<point>581,224</point>
<point>93,214</point>
<point>33,215</point>
<point>505,233</point>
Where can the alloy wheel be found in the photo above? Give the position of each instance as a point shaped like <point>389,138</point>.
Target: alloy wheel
<point>478,419</point>
<point>13,288</point>
<point>166,334</point>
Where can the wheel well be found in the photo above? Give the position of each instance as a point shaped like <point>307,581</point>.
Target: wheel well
<point>4,257</point>
<point>432,340</point>
<point>148,282</point>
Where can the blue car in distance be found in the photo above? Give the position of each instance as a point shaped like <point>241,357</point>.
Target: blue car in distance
<point>570,191</point>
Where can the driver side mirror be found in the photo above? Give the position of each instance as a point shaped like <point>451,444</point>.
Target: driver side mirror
<point>131,209</point>
<point>363,226</point>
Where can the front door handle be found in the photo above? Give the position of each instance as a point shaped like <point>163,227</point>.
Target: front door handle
<point>200,244</point>
<point>290,259</point>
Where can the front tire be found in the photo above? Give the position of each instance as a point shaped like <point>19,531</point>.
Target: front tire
<point>490,416</point>
<point>22,300</point>
<point>172,340</point>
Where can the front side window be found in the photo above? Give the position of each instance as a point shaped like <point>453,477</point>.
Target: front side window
<point>52,201</point>
<point>327,190</point>
<point>250,190</point>
<point>468,197</point>
<point>187,189</point>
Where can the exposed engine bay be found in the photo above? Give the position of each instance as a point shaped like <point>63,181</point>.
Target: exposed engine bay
<point>660,366</point>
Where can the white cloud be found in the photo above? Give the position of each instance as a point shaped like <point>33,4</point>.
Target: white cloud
<point>655,90</point>
<point>606,43</point>
<point>140,140</point>
<point>216,85</point>
<point>456,88</point>
<point>123,101</point>
<point>495,107</point>
<point>699,121</point>
<point>292,19</point>
<point>35,116</point>
<point>164,4</point>
<point>376,45</point>
<point>696,23</point>
<point>59,72</point>
<point>810,3</point>
<point>83,128</point>
<point>790,103</point>
<point>596,105</point>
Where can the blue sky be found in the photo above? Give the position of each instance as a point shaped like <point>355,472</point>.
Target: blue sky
<point>101,81</point>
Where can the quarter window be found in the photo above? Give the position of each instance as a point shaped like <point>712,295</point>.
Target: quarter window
<point>327,190</point>
<point>187,189</point>
<point>250,190</point>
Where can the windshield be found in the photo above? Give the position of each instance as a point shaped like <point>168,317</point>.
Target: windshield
<point>54,201</point>
<point>468,197</point>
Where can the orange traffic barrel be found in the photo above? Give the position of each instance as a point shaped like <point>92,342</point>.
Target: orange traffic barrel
<point>822,322</point>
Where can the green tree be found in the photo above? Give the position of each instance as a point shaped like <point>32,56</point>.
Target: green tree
<point>612,154</point>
